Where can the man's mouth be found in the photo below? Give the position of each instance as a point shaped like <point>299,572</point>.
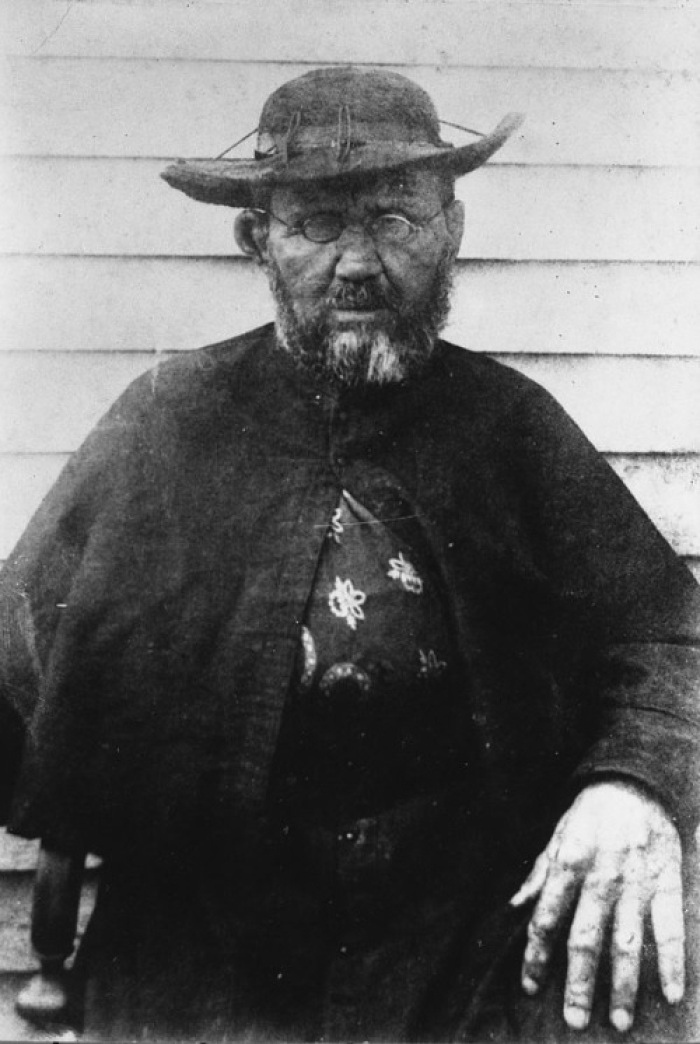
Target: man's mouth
<point>359,299</point>
<point>353,314</point>
<point>359,303</point>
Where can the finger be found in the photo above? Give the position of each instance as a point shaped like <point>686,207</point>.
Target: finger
<point>556,899</point>
<point>626,955</point>
<point>585,945</point>
<point>533,883</point>
<point>535,880</point>
<point>669,932</point>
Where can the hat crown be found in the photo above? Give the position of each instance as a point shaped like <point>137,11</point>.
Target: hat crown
<point>376,105</point>
<point>339,122</point>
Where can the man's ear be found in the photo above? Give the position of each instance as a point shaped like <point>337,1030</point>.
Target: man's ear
<point>250,230</point>
<point>454,219</point>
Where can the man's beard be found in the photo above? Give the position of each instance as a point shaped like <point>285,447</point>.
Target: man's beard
<point>374,352</point>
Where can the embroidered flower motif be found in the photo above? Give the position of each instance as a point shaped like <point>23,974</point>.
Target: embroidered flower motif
<point>337,526</point>
<point>345,601</point>
<point>403,570</point>
<point>345,672</point>
<point>430,666</point>
<point>308,646</point>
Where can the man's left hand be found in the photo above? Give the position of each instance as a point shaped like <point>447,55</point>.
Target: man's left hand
<point>615,855</point>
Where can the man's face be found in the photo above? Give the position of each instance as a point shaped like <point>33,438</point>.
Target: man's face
<point>359,309</point>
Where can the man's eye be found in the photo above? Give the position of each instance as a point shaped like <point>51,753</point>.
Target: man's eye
<point>322,228</point>
<point>393,228</point>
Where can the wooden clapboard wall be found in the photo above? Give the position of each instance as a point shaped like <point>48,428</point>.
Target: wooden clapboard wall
<point>579,263</point>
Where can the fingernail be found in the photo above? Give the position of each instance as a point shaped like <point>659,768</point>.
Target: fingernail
<point>621,1020</point>
<point>577,1018</point>
<point>674,993</point>
<point>529,985</point>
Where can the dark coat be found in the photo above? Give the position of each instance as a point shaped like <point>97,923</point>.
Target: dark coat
<point>151,611</point>
<point>150,619</point>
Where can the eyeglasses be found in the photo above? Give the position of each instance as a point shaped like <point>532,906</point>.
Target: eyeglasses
<point>385,230</point>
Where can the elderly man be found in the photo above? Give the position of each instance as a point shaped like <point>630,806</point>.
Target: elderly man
<point>328,630</point>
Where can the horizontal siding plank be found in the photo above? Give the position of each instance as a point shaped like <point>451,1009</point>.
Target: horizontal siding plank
<point>15,922</point>
<point>24,481</point>
<point>148,304</point>
<point>127,304</point>
<point>18,854</point>
<point>624,309</point>
<point>71,107</point>
<point>626,405</point>
<point>50,402</point>
<point>667,487</point>
<point>112,206</point>
<point>573,35</point>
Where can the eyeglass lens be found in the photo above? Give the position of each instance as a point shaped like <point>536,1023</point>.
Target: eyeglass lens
<point>387,228</point>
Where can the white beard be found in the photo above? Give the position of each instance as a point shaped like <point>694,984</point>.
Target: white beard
<point>364,353</point>
<point>367,356</point>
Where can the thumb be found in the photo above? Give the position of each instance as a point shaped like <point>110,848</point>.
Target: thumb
<point>533,883</point>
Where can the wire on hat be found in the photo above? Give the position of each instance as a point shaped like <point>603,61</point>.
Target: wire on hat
<point>458,126</point>
<point>237,143</point>
<point>344,133</point>
<point>344,140</point>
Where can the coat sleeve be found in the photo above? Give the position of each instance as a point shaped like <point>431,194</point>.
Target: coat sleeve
<point>633,599</point>
<point>39,576</point>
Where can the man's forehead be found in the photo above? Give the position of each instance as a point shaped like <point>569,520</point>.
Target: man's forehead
<point>388,187</point>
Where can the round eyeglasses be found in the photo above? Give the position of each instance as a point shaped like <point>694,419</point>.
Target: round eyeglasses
<point>385,229</point>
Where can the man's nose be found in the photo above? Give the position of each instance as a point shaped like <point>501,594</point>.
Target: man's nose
<point>357,255</point>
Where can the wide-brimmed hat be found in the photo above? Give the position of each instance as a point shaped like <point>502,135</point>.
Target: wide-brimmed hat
<point>336,123</point>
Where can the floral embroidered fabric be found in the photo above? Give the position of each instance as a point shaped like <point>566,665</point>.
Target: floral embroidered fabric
<point>370,715</point>
<point>373,607</point>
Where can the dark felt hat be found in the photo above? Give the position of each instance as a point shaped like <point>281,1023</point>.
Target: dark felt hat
<point>336,123</point>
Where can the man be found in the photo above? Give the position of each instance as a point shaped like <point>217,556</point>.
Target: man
<point>327,631</point>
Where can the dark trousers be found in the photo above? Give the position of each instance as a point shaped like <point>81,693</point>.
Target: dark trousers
<point>334,943</point>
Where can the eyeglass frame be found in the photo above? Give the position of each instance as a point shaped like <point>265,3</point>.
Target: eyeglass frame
<point>298,229</point>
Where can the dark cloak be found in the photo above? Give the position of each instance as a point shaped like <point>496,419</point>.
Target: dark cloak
<point>151,611</point>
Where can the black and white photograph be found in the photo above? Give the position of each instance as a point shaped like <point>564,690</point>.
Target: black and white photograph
<point>350,521</point>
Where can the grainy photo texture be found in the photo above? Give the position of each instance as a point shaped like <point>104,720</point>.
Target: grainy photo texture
<point>350,457</point>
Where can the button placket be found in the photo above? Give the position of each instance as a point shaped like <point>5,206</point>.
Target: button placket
<point>338,433</point>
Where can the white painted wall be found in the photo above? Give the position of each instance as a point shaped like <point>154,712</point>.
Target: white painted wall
<point>580,262</point>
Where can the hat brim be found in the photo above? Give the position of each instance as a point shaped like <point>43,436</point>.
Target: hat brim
<point>239,182</point>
